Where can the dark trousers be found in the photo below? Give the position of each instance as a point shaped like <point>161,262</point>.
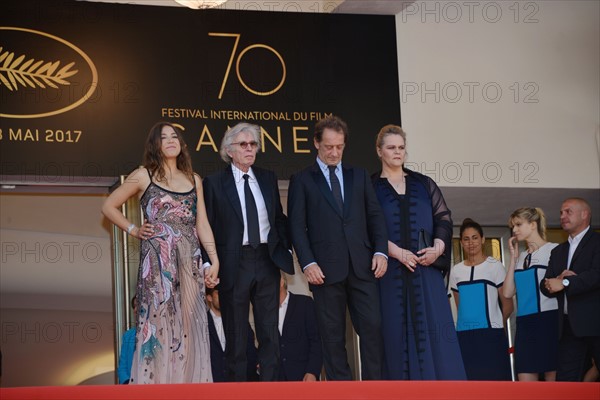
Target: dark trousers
<point>257,282</point>
<point>362,299</point>
<point>573,353</point>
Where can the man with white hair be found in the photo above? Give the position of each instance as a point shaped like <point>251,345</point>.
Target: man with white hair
<point>245,213</point>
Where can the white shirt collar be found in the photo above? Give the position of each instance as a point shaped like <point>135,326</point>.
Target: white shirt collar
<point>285,302</point>
<point>579,236</point>
<point>282,312</point>
<point>238,174</point>
<point>325,168</point>
<point>214,315</point>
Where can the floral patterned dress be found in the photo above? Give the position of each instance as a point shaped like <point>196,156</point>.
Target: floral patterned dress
<point>172,343</point>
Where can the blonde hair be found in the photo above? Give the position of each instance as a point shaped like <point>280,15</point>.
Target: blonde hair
<point>389,130</point>
<point>530,214</point>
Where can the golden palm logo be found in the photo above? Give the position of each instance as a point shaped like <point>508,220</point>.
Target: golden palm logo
<point>20,70</point>
<point>34,74</point>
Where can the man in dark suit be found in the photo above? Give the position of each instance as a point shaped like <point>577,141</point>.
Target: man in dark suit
<point>218,344</point>
<point>573,277</point>
<point>299,343</point>
<point>245,213</point>
<point>341,241</point>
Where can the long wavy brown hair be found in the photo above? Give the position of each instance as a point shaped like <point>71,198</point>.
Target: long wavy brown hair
<point>153,156</point>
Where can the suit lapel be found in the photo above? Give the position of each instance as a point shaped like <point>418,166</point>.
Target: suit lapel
<point>231,192</point>
<point>562,256</point>
<point>348,185</point>
<point>323,186</point>
<point>581,245</point>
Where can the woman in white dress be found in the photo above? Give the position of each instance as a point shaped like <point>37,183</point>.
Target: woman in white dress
<point>482,312</point>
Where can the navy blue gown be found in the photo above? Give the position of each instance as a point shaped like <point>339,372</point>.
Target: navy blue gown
<point>419,335</point>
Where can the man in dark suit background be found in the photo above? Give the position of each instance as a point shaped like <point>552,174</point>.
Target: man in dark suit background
<point>573,276</point>
<point>299,343</point>
<point>218,343</point>
<point>250,229</point>
<point>339,235</point>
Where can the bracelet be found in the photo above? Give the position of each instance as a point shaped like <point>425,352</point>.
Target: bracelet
<point>130,228</point>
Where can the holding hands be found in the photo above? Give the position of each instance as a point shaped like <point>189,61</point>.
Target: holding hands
<point>211,275</point>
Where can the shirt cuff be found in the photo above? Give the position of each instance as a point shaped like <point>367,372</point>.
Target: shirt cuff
<point>381,254</point>
<point>308,265</point>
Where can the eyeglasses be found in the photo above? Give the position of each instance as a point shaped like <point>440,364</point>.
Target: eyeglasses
<point>244,145</point>
<point>527,261</point>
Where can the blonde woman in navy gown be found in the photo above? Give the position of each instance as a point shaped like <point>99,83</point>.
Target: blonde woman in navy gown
<point>536,340</point>
<point>419,337</point>
<point>482,311</point>
<point>172,342</point>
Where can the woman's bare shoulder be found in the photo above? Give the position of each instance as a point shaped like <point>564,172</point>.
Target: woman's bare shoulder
<point>197,178</point>
<point>139,176</point>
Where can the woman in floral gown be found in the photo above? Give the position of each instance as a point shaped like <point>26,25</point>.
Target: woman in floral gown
<point>172,343</point>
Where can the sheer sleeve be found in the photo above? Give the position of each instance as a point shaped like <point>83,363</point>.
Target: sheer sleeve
<point>442,219</point>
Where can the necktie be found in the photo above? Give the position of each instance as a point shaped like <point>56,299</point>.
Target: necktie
<point>251,215</point>
<point>335,187</point>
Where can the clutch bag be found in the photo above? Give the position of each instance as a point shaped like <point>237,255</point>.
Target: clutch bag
<point>424,239</point>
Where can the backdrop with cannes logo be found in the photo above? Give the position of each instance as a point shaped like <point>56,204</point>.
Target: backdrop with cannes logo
<point>82,82</point>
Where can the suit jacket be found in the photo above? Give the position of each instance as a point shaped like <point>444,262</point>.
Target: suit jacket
<point>224,212</point>
<point>218,361</point>
<point>583,292</point>
<point>331,237</point>
<point>300,343</point>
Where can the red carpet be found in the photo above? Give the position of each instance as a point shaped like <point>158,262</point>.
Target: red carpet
<point>318,390</point>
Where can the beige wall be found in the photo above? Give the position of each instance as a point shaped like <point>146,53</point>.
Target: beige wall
<point>55,347</point>
<point>56,304</point>
<point>547,131</point>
